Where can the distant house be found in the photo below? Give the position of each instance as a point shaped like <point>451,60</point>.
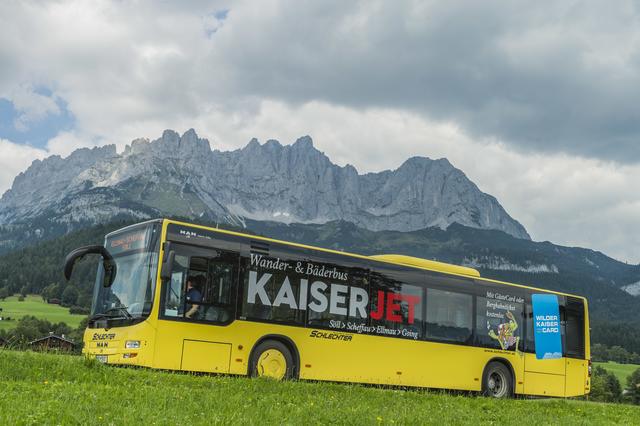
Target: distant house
<point>53,301</point>
<point>53,342</point>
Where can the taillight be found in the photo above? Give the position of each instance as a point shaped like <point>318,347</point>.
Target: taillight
<point>589,369</point>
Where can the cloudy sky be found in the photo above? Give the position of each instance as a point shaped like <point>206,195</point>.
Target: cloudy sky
<point>537,103</point>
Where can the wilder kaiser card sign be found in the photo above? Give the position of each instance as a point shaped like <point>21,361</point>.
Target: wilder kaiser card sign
<point>547,326</point>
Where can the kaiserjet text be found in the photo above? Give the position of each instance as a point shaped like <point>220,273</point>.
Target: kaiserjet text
<point>320,296</point>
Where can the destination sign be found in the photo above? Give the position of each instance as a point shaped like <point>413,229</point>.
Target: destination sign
<point>134,240</point>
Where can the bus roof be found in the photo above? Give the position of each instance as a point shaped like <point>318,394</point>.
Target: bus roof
<point>426,264</point>
<point>396,259</point>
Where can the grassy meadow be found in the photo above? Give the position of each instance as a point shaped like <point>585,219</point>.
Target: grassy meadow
<point>621,371</point>
<point>57,389</point>
<point>34,305</point>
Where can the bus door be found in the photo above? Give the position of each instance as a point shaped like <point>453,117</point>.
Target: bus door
<point>195,305</point>
<point>541,376</point>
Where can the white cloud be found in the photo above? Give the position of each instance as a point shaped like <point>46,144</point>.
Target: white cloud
<point>14,159</point>
<point>500,90</point>
<point>560,78</point>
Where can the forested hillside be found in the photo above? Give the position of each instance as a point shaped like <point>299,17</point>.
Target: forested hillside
<point>38,269</point>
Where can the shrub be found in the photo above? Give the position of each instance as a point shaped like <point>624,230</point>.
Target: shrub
<point>69,296</point>
<point>21,298</point>
<point>79,310</point>
<point>633,387</point>
<point>605,387</point>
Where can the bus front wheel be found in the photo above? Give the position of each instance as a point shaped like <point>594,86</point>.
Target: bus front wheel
<point>497,381</point>
<point>273,359</point>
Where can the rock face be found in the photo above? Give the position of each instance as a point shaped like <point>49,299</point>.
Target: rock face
<point>182,176</point>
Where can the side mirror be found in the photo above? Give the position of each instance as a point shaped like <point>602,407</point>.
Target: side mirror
<point>167,263</point>
<point>108,262</point>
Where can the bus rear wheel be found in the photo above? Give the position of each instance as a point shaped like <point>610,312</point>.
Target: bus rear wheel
<point>497,381</point>
<point>273,359</point>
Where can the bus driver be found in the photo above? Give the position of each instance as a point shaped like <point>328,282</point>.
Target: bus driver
<point>192,295</point>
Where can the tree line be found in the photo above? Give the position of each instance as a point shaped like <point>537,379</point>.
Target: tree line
<point>604,353</point>
<point>30,328</point>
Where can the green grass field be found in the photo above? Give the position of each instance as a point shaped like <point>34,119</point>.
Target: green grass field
<point>57,389</point>
<point>622,371</point>
<point>34,305</point>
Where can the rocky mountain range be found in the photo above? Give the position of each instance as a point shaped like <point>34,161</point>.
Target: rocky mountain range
<point>424,208</point>
<point>182,176</point>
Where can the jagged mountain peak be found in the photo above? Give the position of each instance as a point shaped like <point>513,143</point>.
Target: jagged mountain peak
<point>304,142</point>
<point>422,162</point>
<point>46,179</point>
<point>272,143</point>
<point>180,175</point>
<point>253,143</point>
<point>171,143</point>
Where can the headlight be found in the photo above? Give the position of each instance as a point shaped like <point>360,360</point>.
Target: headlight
<point>132,344</point>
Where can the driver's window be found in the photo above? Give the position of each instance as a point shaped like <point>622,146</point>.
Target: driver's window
<point>202,287</point>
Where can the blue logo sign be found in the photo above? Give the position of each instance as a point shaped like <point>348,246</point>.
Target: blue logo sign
<point>546,326</point>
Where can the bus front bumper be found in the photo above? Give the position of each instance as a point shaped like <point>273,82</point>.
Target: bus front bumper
<point>115,346</point>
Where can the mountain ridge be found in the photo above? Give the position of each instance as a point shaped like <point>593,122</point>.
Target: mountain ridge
<point>297,183</point>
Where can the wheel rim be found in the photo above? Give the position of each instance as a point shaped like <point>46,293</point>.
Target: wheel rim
<point>272,363</point>
<point>497,384</point>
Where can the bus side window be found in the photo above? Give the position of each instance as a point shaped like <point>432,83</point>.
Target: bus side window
<point>499,318</point>
<point>220,284</point>
<point>530,341</point>
<point>396,305</point>
<point>338,312</point>
<point>449,316</point>
<point>275,295</point>
<point>214,279</point>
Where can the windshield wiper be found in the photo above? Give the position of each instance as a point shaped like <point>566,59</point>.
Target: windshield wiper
<point>123,310</point>
<point>106,314</point>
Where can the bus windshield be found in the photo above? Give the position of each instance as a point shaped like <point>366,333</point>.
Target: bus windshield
<point>135,251</point>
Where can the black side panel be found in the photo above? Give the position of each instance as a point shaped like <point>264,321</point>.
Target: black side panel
<point>574,328</point>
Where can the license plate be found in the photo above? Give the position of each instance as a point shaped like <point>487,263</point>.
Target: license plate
<point>101,358</point>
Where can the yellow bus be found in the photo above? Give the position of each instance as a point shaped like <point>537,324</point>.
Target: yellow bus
<point>178,296</point>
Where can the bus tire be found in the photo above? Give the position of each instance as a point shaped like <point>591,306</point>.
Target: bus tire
<point>497,381</point>
<point>273,359</point>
